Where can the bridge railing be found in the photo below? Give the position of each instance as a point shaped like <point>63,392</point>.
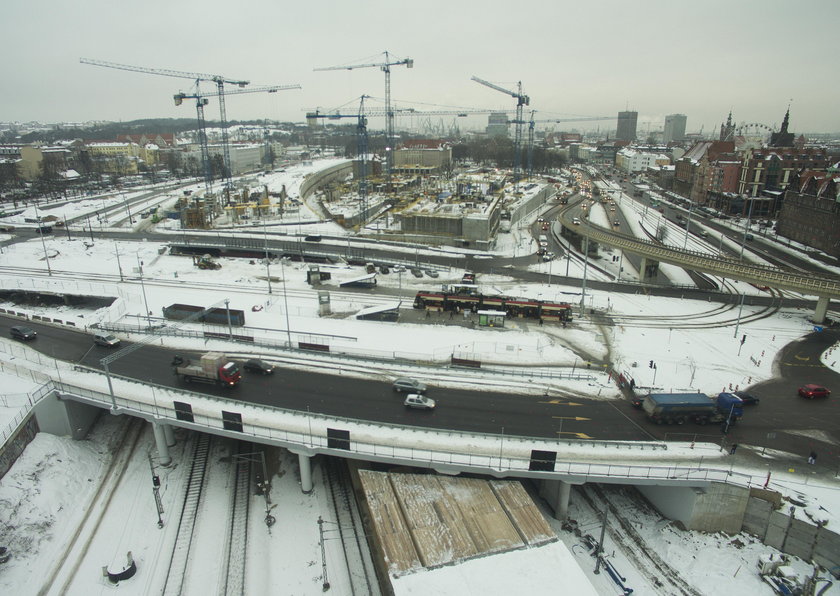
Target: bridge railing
<point>499,455</point>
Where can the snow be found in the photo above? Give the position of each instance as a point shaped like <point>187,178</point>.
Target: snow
<point>53,489</point>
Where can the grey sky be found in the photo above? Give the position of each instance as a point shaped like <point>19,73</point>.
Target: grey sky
<point>701,59</point>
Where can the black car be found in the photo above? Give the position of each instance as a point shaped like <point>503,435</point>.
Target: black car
<point>258,366</point>
<point>22,332</point>
<point>748,398</point>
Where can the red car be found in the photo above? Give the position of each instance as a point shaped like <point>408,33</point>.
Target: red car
<point>812,391</point>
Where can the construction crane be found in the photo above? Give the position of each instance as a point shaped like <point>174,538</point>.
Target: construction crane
<point>389,114</point>
<point>361,148</point>
<point>521,101</point>
<point>219,80</point>
<point>532,123</point>
<point>201,101</point>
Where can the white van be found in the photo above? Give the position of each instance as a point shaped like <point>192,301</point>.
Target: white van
<point>101,338</point>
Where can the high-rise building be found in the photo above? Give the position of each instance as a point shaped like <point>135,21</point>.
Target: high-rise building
<point>626,130</point>
<point>674,128</point>
<point>497,125</point>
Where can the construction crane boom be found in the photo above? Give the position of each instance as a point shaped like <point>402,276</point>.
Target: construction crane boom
<point>268,89</point>
<point>165,72</point>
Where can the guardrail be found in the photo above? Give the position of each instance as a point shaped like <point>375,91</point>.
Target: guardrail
<point>497,455</point>
<point>723,266</point>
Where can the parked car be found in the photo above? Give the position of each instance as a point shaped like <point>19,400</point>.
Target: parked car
<point>416,272</point>
<point>811,391</point>
<point>255,365</point>
<point>421,402</point>
<point>406,385</point>
<point>383,269</point>
<point>432,273</point>
<point>22,332</point>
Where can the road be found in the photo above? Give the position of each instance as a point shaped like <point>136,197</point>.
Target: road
<point>782,421</point>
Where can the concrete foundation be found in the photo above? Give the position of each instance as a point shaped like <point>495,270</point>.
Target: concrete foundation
<point>716,508</point>
<point>65,418</point>
<point>169,434</point>
<point>305,473</point>
<point>821,310</point>
<point>556,493</point>
<point>164,458</point>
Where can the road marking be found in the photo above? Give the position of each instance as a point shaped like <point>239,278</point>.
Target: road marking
<point>558,402</point>
<point>805,358</point>
<point>578,418</point>
<point>803,365</point>
<point>578,435</point>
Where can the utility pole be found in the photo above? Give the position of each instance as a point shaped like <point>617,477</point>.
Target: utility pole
<point>585,263</point>
<point>600,550</point>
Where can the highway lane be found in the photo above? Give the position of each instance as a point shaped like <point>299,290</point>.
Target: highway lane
<point>490,412</point>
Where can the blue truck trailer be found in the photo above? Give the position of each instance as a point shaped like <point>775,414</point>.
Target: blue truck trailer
<point>679,408</point>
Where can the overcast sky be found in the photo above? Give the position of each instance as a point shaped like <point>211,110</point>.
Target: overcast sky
<point>595,58</point>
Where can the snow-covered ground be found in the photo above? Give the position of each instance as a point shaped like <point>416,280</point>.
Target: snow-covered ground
<point>45,496</point>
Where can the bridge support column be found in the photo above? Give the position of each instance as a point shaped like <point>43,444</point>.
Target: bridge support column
<point>556,493</point>
<point>643,269</point>
<point>160,442</point>
<point>169,434</point>
<point>305,473</point>
<point>822,309</point>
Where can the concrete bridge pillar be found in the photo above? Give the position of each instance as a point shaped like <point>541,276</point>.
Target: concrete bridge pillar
<point>160,442</point>
<point>643,269</point>
<point>556,493</point>
<point>169,434</point>
<point>822,309</point>
<point>305,465</point>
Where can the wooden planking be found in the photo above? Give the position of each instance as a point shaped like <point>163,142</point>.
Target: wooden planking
<point>433,519</point>
<point>388,523</point>
<point>520,508</point>
<point>428,520</point>
<point>482,515</point>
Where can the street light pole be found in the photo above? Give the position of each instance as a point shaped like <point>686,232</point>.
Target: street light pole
<point>585,264</point>
<point>267,261</point>
<point>688,223</point>
<point>286,302</point>
<point>143,288</point>
<point>746,230</point>
<point>43,242</point>
<point>119,266</point>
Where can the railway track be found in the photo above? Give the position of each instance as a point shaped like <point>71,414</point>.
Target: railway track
<point>644,558</point>
<point>193,494</point>
<point>350,529</point>
<point>66,565</point>
<point>237,540</point>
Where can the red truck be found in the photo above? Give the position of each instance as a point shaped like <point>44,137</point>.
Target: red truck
<point>212,367</point>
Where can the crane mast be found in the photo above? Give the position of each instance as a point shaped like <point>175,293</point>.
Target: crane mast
<point>389,112</point>
<point>522,100</point>
<point>361,148</point>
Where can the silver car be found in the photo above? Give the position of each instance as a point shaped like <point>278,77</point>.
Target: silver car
<point>421,402</point>
<point>406,385</point>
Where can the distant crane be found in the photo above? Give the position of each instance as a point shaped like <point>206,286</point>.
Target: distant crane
<point>532,123</point>
<point>389,113</point>
<point>220,82</point>
<point>361,148</point>
<point>522,100</point>
<point>201,101</point>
